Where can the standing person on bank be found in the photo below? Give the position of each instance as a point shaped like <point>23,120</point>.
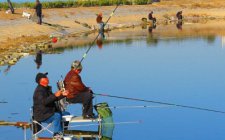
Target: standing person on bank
<point>100,23</point>
<point>44,105</point>
<point>38,10</point>
<point>78,92</point>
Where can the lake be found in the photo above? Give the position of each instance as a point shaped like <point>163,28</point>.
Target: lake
<point>185,71</point>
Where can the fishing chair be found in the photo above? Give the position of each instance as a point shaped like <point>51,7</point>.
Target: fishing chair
<point>38,127</point>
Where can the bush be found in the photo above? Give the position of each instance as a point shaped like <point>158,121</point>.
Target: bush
<point>141,2</point>
<point>75,3</point>
<point>4,6</point>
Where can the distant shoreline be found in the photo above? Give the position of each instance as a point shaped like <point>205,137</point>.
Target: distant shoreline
<point>72,3</point>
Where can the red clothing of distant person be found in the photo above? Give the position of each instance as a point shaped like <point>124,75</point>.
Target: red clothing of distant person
<point>99,18</point>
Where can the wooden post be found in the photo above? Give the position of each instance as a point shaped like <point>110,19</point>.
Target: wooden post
<point>10,6</point>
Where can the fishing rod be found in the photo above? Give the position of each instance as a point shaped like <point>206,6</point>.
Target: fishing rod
<point>163,103</point>
<point>23,125</point>
<point>17,124</point>
<point>85,54</point>
<point>139,106</point>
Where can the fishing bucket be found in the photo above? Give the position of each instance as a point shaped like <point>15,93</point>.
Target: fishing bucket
<point>103,110</point>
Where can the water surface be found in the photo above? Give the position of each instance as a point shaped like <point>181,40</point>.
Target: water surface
<point>188,71</point>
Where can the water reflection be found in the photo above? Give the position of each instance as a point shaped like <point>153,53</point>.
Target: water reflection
<point>100,39</point>
<point>182,66</point>
<point>6,71</point>
<point>104,132</point>
<point>85,135</point>
<point>150,28</point>
<point>107,128</point>
<point>223,41</point>
<point>179,24</point>
<point>38,59</point>
<point>210,39</point>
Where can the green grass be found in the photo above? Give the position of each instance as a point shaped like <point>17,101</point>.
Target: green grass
<point>75,3</point>
<point>4,5</point>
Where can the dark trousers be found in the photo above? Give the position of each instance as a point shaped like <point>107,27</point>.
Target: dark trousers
<point>85,98</point>
<point>39,19</point>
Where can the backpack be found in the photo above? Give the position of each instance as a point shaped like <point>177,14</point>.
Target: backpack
<point>103,110</point>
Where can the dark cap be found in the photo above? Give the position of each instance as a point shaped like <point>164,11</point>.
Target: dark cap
<point>39,76</point>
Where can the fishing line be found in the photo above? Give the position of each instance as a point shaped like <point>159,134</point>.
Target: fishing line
<point>139,106</point>
<point>116,123</point>
<point>163,103</point>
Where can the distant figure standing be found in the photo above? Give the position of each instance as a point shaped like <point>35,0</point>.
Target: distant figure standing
<point>179,15</point>
<point>38,8</point>
<point>150,17</point>
<point>100,22</point>
<point>101,36</point>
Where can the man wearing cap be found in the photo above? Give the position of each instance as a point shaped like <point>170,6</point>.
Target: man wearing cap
<point>44,107</point>
<point>78,92</point>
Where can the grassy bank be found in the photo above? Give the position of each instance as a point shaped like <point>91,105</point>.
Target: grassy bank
<point>75,3</point>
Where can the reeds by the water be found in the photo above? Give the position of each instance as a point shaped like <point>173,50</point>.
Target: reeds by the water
<point>75,3</point>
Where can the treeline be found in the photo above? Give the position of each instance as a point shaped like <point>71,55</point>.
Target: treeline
<point>75,3</point>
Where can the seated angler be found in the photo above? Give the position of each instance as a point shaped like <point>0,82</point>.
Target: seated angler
<point>44,105</point>
<point>179,15</point>
<point>78,92</point>
<point>150,17</point>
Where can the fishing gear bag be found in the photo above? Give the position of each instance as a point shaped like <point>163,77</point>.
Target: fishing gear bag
<point>103,110</point>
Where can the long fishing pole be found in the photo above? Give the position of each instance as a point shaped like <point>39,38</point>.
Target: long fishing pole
<point>163,103</point>
<point>17,124</point>
<point>85,54</point>
<point>139,106</point>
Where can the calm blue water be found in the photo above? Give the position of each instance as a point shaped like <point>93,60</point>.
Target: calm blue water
<point>190,71</point>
